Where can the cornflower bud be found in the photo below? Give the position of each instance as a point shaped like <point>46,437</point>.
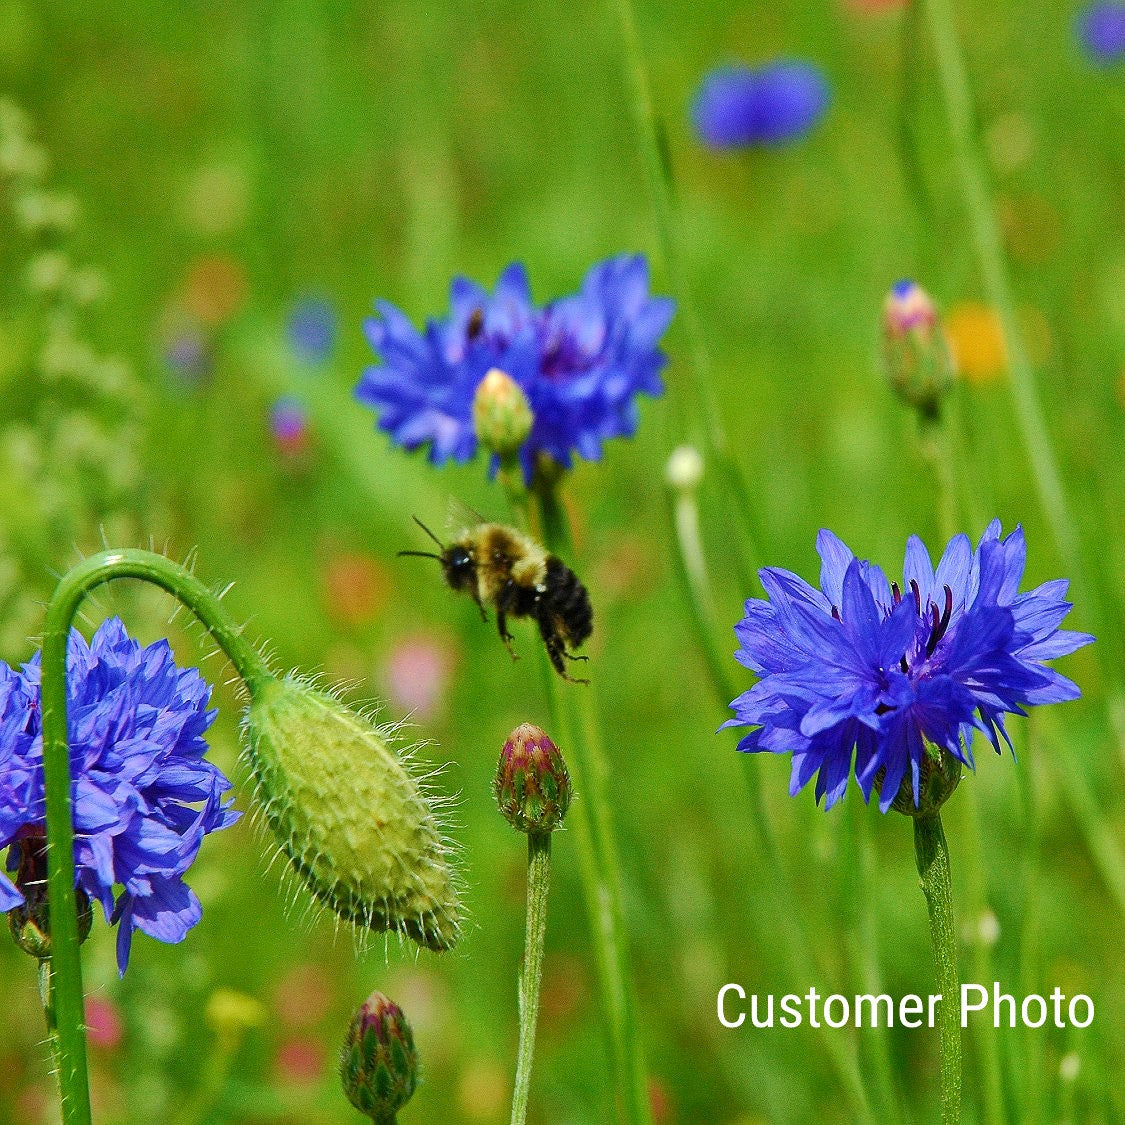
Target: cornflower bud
<point>684,469</point>
<point>30,920</point>
<point>502,415</point>
<point>915,348</point>
<point>532,785</point>
<point>379,1063</point>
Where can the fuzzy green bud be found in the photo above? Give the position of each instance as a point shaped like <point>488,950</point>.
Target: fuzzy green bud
<point>532,785</point>
<point>357,827</point>
<point>379,1063</point>
<point>502,415</point>
<point>915,348</point>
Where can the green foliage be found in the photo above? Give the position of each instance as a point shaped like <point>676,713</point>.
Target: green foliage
<point>228,159</point>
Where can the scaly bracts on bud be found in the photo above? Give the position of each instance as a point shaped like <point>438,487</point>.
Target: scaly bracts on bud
<point>532,785</point>
<point>915,349</point>
<point>379,1062</point>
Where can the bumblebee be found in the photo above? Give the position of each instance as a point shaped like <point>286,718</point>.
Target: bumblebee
<point>501,567</point>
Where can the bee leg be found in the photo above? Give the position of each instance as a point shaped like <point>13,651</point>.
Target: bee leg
<point>480,606</point>
<point>574,655</point>
<point>505,636</point>
<point>504,602</point>
<point>556,650</point>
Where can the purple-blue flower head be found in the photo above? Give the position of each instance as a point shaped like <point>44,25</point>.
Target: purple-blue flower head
<point>144,795</point>
<point>580,360</point>
<point>312,328</point>
<point>738,105</point>
<point>1101,28</point>
<point>860,675</point>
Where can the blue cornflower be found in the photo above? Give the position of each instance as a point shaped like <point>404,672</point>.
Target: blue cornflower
<point>312,328</point>
<point>863,670</point>
<point>1101,28</point>
<point>144,795</point>
<point>580,360</point>
<point>738,105</point>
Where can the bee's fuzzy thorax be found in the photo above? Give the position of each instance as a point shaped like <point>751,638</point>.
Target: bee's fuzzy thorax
<point>500,553</point>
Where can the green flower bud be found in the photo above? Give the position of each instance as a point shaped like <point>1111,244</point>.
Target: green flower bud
<point>502,415</point>
<point>916,352</point>
<point>379,1063</point>
<point>30,921</point>
<point>358,829</point>
<point>684,469</point>
<point>938,775</point>
<point>532,784</point>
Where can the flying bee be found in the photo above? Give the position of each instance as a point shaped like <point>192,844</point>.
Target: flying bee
<point>501,567</point>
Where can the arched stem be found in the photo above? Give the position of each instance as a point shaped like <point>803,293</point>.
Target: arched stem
<point>66,967</point>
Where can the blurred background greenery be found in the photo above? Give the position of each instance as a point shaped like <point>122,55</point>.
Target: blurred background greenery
<point>222,164</point>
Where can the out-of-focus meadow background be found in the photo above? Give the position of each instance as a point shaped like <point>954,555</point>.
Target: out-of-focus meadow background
<point>246,179</point>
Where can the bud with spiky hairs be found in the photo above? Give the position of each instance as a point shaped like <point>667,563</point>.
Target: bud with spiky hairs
<point>532,783</point>
<point>379,1062</point>
<point>915,348</point>
<point>354,822</point>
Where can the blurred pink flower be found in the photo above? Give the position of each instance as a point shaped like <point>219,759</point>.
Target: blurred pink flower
<point>300,1061</point>
<point>104,1028</point>
<point>416,673</point>
<point>303,997</point>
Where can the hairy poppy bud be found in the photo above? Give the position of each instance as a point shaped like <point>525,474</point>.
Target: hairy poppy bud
<point>357,827</point>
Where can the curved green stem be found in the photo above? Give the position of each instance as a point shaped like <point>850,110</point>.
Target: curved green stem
<point>531,973</point>
<point>66,971</point>
<point>932,854</point>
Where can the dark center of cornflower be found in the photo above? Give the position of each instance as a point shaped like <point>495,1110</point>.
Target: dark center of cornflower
<point>938,618</point>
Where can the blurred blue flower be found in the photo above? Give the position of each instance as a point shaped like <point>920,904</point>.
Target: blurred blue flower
<point>312,328</point>
<point>186,351</point>
<point>1101,28</point>
<point>739,105</point>
<point>144,795</point>
<point>580,360</point>
<point>864,670</point>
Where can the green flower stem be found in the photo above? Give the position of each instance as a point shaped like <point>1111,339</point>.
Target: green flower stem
<point>862,944</point>
<point>47,999</point>
<point>531,973</point>
<point>691,568</point>
<point>932,853</point>
<point>66,968</point>
<point>712,431</point>
<point>1028,409</point>
<point>936,438</point>
<point>574,713</point>
<point>986,234</point>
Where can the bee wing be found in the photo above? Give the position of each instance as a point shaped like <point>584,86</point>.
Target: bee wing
<point>459,516</point>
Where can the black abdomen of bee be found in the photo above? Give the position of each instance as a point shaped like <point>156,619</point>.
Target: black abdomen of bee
<point>567,601</point>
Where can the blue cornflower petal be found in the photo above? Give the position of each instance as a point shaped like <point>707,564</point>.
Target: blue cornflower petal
<point>862,675</point>
<point>737,105</point>
<point>136,724</point>
<point>581,361</point>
